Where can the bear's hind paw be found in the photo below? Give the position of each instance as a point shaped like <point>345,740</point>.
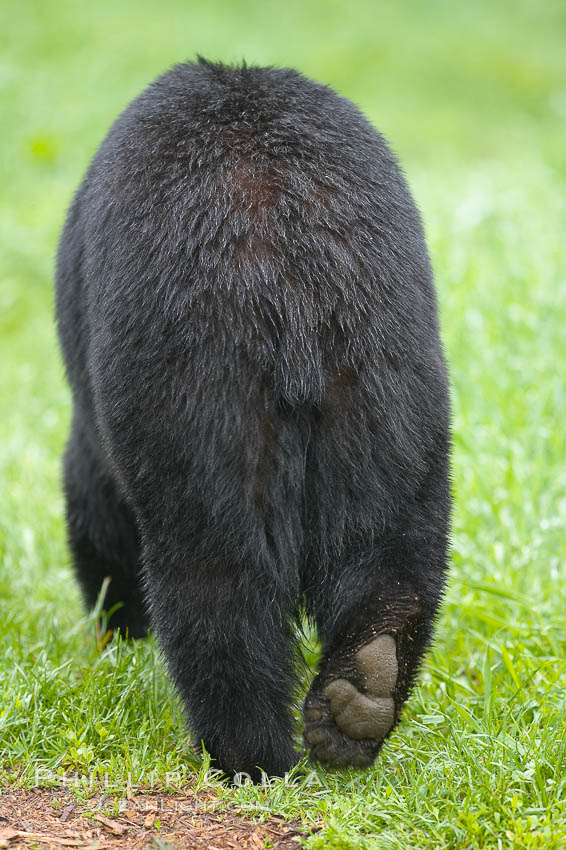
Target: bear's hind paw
<point>345,724</point>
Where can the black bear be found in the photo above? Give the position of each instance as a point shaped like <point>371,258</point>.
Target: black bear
<point>261,425</point>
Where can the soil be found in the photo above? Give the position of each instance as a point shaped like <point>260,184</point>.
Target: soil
<point>146,820</point>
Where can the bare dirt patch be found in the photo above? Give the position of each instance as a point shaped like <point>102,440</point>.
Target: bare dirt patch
<point>144,821</point>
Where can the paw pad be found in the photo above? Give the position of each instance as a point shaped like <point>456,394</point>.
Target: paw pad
<point>345,723</point>
<point>371,714</point>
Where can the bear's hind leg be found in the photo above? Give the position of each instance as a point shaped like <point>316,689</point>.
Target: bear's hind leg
<point>102,534</point>
<point>375,615</point>
<point>227,633</point>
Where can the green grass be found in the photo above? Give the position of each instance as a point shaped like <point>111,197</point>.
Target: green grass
<point>473,97</point>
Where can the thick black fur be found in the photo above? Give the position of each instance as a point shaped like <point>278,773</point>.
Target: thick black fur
<point>261,415</point>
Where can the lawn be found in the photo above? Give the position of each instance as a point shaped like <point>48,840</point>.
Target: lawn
<point>473,98</point>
